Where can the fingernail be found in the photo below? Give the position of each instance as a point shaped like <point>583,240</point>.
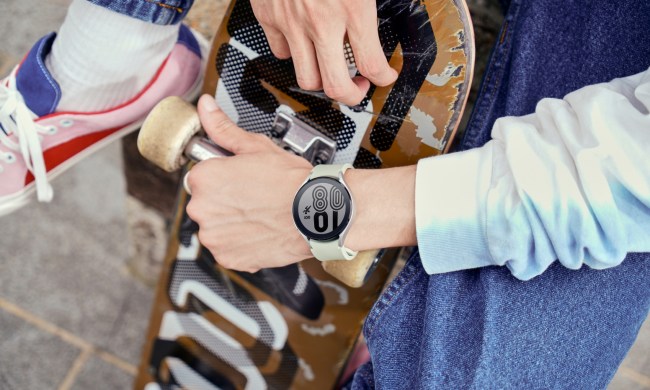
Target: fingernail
<point>186,184</point>
<point>208,103</point>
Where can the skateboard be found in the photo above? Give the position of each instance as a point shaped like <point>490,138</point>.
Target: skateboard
<point>295,326</point>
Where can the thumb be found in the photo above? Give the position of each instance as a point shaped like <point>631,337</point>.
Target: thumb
<point>224,132</point>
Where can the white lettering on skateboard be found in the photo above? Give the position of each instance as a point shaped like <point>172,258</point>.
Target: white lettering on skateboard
<point>319,331</point>
<point>218,305</point>
<point>301,283</point>
<point>277,323</point>
<point>215,340</point>
<point>190,252</point>
<point>187,377</point>
<point>342,292</point>
<point>250,54</point>
<point>226,103</point>
<point>307,370</point>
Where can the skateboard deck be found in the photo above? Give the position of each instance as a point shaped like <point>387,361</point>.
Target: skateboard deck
<point>296,326</point>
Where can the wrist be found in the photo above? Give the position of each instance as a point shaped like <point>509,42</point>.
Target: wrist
<point>384,208</point>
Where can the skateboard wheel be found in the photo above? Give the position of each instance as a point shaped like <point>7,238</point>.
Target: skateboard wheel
<point>166,132</point>
<point>352,272</point>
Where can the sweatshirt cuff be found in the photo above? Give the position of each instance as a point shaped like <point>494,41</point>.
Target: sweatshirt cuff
<point>450,210</point>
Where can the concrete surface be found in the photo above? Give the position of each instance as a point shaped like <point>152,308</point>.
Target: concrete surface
<point>74,304</point>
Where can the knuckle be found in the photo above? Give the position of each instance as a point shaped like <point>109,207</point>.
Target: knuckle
<point>279,46</point>
<point>335,92</point>
<point>208,239</point>
<point>226,262</point>
<point>308,83</point>
<point>192,210</point>
<point>263,17</point>
<point>280,53</point>
<point>370,69</point>
<point>204,238</point>
<point>236,146</point>
<point>223,124</point>
<point>193,175</point>
<point>196,175</point>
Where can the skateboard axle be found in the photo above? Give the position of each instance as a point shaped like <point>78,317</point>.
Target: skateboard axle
<point>199,149</point>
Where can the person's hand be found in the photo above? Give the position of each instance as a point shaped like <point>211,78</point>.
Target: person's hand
<point>312,32</point>
<point>243,203</point>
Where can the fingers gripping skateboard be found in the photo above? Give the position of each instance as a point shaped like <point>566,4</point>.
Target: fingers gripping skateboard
<point>170,136</point>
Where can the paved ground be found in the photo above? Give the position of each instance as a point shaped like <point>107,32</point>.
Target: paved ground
<point>74,302</point>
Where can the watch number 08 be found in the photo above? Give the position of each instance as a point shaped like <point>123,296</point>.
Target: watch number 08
<point>320,202</point>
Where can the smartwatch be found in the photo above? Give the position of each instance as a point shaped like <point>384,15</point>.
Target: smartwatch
<point>322,211</point>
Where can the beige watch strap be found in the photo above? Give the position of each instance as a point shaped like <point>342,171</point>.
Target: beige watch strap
<point>330,250</point>
<point>328,170</point>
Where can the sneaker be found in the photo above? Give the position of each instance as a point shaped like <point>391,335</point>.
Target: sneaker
<point>37,143</point>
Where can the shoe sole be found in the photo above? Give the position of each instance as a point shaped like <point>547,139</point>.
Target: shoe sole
<point>22,198</point>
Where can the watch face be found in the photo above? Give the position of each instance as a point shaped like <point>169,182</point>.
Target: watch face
<point>322,208</point>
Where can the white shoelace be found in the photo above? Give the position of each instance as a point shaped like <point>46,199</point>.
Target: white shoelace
<point>16,118</point>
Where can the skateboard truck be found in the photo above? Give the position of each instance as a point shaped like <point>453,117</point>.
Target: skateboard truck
<point>300,138</point>
<point>173,141</point>
<point>170,136</point>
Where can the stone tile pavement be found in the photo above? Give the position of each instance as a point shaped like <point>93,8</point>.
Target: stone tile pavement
<point>73,312</point>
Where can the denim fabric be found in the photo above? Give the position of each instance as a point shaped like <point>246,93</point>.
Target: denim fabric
<point>156,11</point>
<point>483,328</point>
<point>548,48</point>
<point>37,86</point>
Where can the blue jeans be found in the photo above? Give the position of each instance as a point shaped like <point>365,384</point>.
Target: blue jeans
<point>155,11</point>
<point>484,329</point>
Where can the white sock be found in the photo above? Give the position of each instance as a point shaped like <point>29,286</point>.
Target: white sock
<point>102,58</point>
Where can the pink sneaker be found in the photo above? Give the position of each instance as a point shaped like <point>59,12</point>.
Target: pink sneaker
<point>37,143</point>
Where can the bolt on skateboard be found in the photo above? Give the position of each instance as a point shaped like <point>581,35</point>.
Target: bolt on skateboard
<point>295,326</point>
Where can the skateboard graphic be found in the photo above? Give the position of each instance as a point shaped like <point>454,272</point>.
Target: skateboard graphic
<point>295,326</point>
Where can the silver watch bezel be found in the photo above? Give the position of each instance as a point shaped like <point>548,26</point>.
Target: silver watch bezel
<point>345,231</point>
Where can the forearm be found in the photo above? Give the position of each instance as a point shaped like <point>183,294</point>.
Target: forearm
<point>569,182</point>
